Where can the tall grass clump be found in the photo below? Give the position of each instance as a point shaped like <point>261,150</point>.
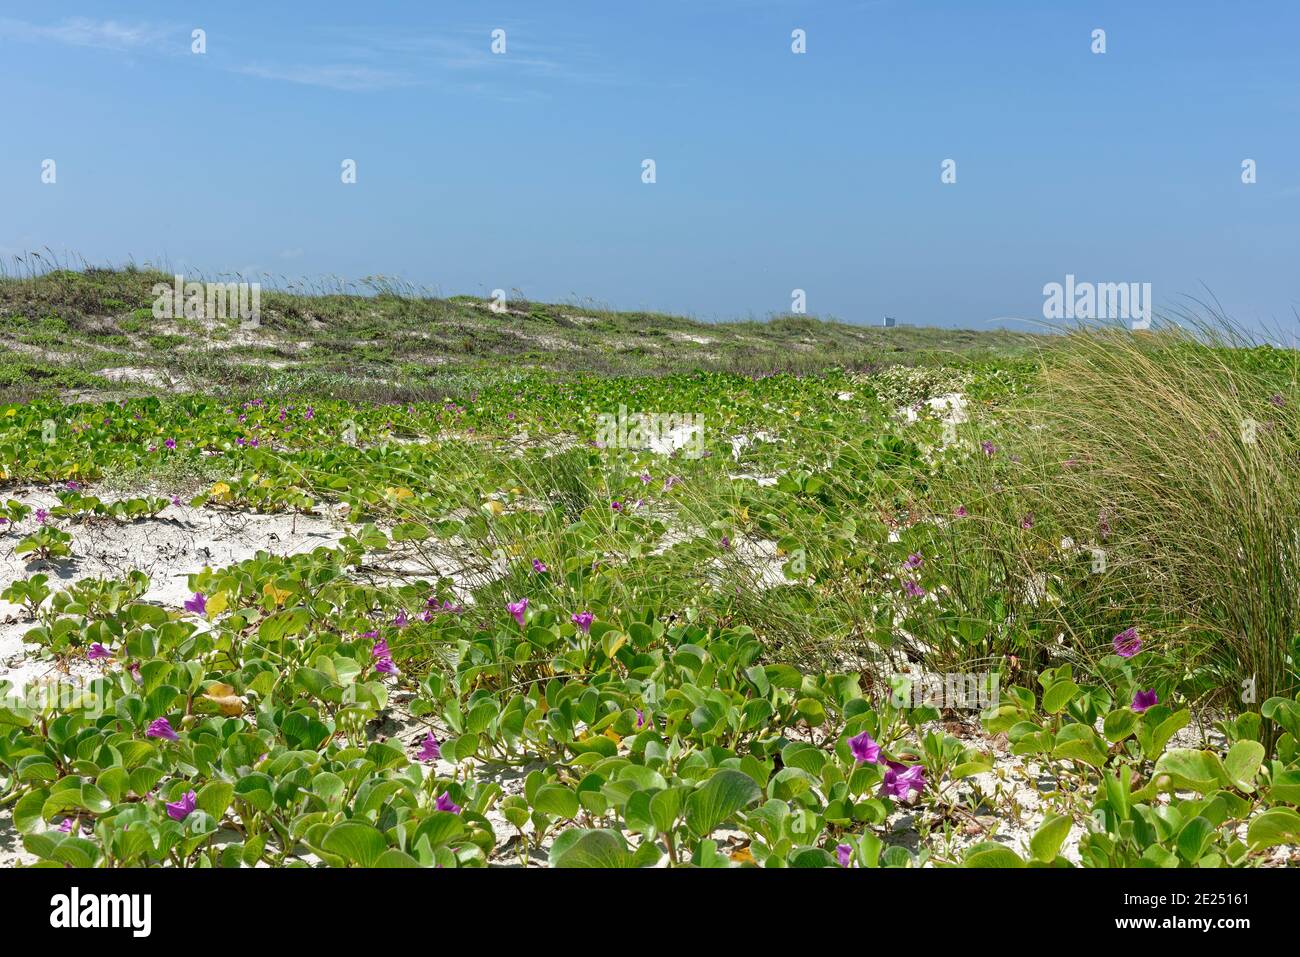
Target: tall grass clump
<point>1157,475</point>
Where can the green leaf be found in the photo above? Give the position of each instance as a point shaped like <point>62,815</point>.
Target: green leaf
<point>593,848</point>
<point>719,799</point>
<point>1242,764</point>
<point>356,843</point>
<point>557,801</point>
<point>1277,825</point>
<point>1059,695</point>
<point>1047,840</point>
<point>992,854</point>
<point>1189,770</point>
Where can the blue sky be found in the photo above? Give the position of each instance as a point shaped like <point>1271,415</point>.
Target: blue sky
<point>775,171</point>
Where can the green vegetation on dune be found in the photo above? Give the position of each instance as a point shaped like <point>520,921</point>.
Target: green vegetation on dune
<point>709,647</point>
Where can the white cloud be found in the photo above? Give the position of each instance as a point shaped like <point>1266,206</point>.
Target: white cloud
<point>352,78</point>
<point>100,34</point>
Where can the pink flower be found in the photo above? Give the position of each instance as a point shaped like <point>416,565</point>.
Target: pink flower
<point>913,589</point>
<point>901,780</point>
<point>864,748</point>
<point>386,666</point>
<point>539,566</point>
<point>518,609</point>
<point>1143,700</point>
<point>198,604</point>
<point>98,651</point>
<point>960,511</point>
<point>844,854</point>
<point>180,810</point>
<point>429,749</point>
<point>445,803</point>
<point>1028,521</point>
<point>1127,643</point>
<point>583,620</point>
<point>161,728</point>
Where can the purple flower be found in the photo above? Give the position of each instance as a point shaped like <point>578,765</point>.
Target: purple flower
<point>914,560</point>
<point>989,448</point>
<point>161,728</point>
<point>170,443</point>
<point>616,505</point>
<point>71,485</point>
<point>726,542</point>
<point>670,481</point>
<point>645,478</point>
<point>518,608</point>
<point>1028,521</point>
<point>176,500</point>
<point>864,748</point>
<point>640,719</point>
<point>198,604</point>
<point>1127,643</point>
<point>913,589</point>
<point>98,651</point>
<point>180,810</point>
<point>960,511</point>
<point>583,620</point>
<point>844,854</point>
<point>66,826</point>
<point>380,650</point>
<point>539,566</point>
<point>1145,699</point>
<point>386,666</point>
<point>401,620</point>
<point>1103,525</point>
<point>445,803</point>
<point>42,516</point>
<point>1277,400</point>
<point>900,780</point>
<point>429,749</point>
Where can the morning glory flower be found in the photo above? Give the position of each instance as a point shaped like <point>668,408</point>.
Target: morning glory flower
<point>844,854</point>
<point>198,604</point>
<point>913,589</point>
<point>900,780</point>
<point>401,620</point>
<point>170,443</point>
<point>98,651</point>
<point>616,505</point>
<point>988,447</point>
<point>539,566</point>
<point>914,560</point>
<point>1145,699</point>
<point>445,803</point>
<point>66,826</point>
<point>1277,400</point>
<point>1127,643</point>
<point>518,608</point>
<point>42,516</point>
<point>162,728</point>
<point>640,719</point>
<point>645,478</point>
<point>429,749</point>
<point>386,666</point>
<point>1028,521</point>
<point>583,620</point>
<point>960,511</point>
<point>381,649</point>
<point>180,810</point>
<point>864,748</point>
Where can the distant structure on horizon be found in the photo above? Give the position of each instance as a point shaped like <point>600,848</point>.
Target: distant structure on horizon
<point>888,322</point>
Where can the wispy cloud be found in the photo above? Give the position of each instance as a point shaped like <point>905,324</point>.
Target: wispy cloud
<point>100,34</point>
<point>344,77</point>
<point>459,59</point>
